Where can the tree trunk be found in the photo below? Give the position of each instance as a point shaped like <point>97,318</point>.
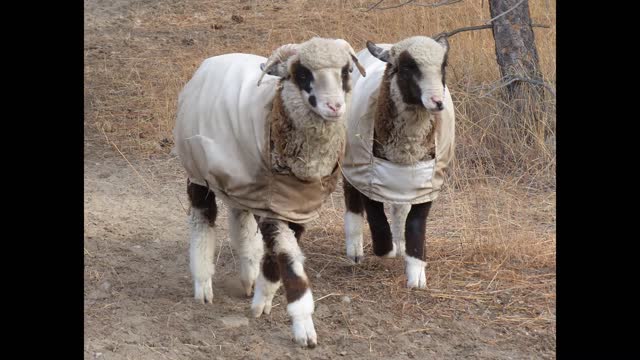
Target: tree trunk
<point>515,44</point>
<point>526,105</point>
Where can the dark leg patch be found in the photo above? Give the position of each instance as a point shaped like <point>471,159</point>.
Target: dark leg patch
<point>294,285</point>
<point>352,198</point>
<point>298,230</point>
<point>415,230</point>
<point>270,268</point>
<point>269,232</point>
<point>379,226</point>
<point>203,199</point>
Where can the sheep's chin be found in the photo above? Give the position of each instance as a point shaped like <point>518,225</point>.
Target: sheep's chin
<point>331,118</point>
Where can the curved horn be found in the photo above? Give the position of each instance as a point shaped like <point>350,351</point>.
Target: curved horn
<point>353,56</point>
<point>279,55</point>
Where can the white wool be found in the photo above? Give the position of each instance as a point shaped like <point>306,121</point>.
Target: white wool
<point>424,50</point>
<point>319,53</point>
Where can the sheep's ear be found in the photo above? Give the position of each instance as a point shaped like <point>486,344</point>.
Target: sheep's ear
<point>276,69</point>
<point>277,63</point>
<point>279,69</point>
<point>378,52</point>
<point>442,40</point>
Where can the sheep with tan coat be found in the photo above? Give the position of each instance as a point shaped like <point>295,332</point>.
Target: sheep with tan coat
<point>400,140</point>
<point>268,144</point>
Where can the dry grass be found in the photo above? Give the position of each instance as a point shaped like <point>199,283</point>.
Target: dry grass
<point>491,235</point>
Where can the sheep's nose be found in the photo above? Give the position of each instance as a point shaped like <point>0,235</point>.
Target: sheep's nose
<point>334,107</point>
<point>438,101</point>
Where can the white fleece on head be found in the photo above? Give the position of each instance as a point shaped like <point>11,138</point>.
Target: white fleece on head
<point>320,53</point>
<point>424,50</point>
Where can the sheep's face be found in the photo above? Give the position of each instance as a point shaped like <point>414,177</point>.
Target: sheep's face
<point>324,90</point>
<point>418,65</point>
<point>316,73</point>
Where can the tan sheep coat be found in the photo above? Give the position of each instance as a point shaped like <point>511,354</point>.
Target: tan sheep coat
<point>232,155</point>
<point>383,180</point>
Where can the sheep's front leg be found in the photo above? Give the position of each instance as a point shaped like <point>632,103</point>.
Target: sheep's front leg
<point>296,283</point>
<point>268,281</point>
<point>415,240</point>
<point>379,226</point>
<point>247,243</point>
<point>353,219</point>
<point>398,223</point>
<point>202,243</point>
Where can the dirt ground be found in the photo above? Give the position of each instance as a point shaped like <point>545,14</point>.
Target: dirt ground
<point>139,294</point>
<point>139,305</point>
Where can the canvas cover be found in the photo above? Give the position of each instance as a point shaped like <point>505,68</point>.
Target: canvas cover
<point>224,144</point>
<point>383,180</point>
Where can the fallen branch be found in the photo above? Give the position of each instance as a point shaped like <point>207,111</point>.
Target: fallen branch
<point>411,2</point>
<point>523,79</point>
<point>440,3</point>
<point>477,27</point>
<point>504,13</point>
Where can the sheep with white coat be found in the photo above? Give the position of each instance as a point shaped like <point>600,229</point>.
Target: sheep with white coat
<point>269,147</point>
<point>400,140</point>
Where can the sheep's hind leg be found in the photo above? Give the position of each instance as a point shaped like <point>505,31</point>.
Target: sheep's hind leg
<point>398,224</point>
<point>353,219</point>
<point>248,246</point>
<point>203,241</point>
<point>415,238</point>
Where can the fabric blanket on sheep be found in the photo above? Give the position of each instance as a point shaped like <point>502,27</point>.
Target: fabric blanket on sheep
<point>231,154</point>
<point>388,182</point>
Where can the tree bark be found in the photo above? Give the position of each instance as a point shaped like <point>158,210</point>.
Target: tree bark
<point>515,43</point>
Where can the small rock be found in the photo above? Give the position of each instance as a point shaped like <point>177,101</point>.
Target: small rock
<point>106,126</point>
<point>97,294</point>
<point>98,354</point>
<point>137,246</point>
<point>345,299</point>
<point>217,26</point>
<point>235,321</point>
<point>246,7</point>
<point>343,353</point>
<point>188,42</point>
<point>322,310</point>
<point>237,18</point>
<point>104,175</point>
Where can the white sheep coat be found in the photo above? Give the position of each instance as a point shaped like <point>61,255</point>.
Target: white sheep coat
<point>379,179</point>
<point>221,136</point>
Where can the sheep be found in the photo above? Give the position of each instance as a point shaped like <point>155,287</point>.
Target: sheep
<point>266,137</point>
<point>400,140</point>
